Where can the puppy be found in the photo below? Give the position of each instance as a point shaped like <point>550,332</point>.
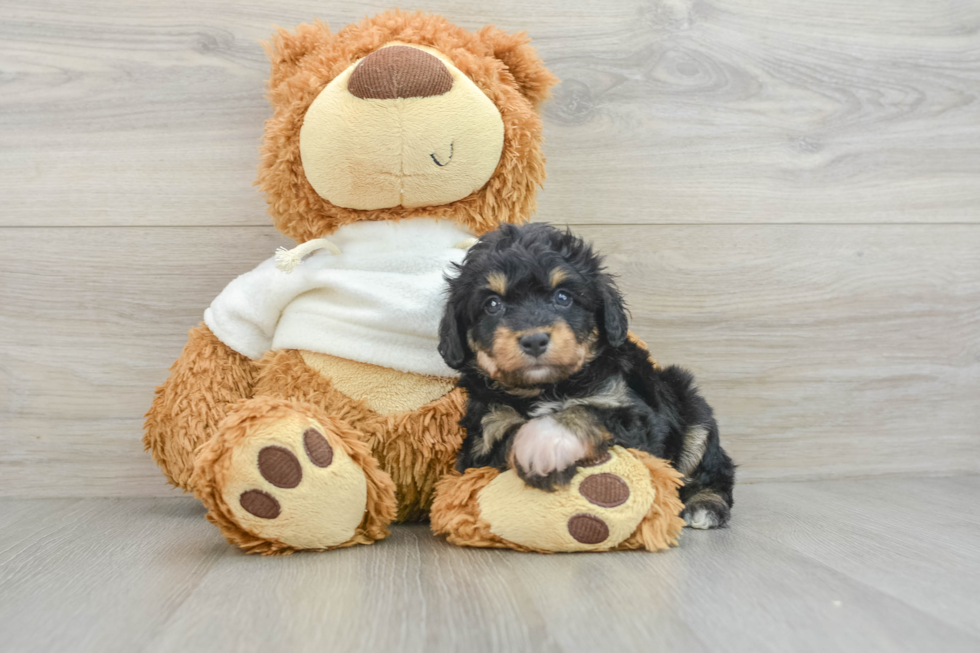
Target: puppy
<point>538,331</point>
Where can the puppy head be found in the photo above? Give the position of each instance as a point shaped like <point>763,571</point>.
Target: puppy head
<point>530,305</point>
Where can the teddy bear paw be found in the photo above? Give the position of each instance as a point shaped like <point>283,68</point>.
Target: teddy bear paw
<point>601,506</point>
<point>291,485</point>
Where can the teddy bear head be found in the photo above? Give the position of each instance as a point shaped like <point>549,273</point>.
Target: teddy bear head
<point>399,116</point>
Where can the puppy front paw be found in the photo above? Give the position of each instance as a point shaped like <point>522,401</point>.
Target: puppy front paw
<point>545,453</point>
<point>549,482</point>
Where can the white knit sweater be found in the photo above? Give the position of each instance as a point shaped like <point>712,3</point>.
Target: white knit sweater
<point>379,301</point>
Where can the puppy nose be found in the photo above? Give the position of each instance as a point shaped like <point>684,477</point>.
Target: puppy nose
<point>399,71</point>
<point>535,344</point>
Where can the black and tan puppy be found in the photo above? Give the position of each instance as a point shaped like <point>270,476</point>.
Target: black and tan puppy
<point>538,331</point>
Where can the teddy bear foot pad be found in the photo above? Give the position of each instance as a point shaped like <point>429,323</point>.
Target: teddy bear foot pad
<point>627,501</point>
<point>279,477</point>
<point>288,483</point>
<point>600,508</point>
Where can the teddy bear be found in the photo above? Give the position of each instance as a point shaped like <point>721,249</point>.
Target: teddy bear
<point>311,409</point>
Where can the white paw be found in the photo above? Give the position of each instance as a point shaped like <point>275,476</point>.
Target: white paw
<point>543,446</point>
<point>701,518</point>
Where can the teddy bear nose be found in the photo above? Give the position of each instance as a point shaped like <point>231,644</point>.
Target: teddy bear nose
<point>399,71</point>
<point>535,344</point>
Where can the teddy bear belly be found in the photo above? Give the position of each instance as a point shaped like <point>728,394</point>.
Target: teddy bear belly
<point>384,390</point>
<point>410,421</point>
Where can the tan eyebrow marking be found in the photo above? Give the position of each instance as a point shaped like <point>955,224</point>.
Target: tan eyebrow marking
<point>497,282</point>
<point>557,276</point>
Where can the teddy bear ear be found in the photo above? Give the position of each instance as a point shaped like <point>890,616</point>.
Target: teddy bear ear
<point>522,60</point>
<point>287,49</point>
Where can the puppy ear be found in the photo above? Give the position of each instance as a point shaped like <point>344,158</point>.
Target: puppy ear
<point>522,61</point>
<point>452,343</point>
<point>614,318</point>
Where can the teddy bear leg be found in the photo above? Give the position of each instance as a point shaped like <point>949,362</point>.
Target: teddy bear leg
<point>627,501</point>
<point>281,476</point>
<point>207,379</point>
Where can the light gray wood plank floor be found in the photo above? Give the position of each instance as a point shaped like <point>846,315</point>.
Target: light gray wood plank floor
<point>853,565</point>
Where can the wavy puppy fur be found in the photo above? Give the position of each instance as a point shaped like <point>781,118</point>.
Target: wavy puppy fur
<point>545,281</point>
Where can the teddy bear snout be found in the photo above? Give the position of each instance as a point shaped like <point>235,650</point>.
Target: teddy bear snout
<point>399,71</point>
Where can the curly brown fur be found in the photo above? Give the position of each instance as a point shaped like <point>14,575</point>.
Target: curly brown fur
<point>204,382</point>
<point>504,346</point>
<point>502,65</point>
<point>417,447</point>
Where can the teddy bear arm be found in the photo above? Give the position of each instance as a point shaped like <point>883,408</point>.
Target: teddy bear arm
<point>204,381</point>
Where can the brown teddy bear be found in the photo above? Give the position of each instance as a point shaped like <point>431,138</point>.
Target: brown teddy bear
<point>311,408</point>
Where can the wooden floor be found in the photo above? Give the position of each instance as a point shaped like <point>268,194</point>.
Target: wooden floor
<point>890,564</point>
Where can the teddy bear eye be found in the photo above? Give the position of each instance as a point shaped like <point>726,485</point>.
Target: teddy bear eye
<point>493,305</point>
<point>563,298</point>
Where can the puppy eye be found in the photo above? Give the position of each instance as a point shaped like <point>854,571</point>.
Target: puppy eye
<point>493,305</point>
<point>563,298</point>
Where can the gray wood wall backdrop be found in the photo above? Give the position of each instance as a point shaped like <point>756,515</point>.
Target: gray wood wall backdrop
<point>789,189</point>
